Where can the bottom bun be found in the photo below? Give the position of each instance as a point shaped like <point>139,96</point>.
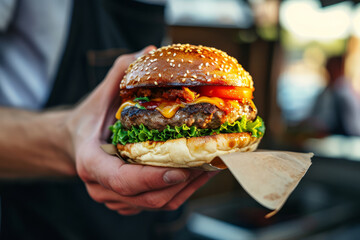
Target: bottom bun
<point>187,152</point>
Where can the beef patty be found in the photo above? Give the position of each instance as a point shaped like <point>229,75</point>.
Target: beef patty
<point>201,115</point>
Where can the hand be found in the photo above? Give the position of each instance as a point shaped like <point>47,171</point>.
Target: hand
<point>125,188</point>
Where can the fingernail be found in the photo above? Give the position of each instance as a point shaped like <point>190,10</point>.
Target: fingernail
<point>174,177</point>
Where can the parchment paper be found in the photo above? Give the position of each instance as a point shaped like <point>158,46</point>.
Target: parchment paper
<point>268,176</point>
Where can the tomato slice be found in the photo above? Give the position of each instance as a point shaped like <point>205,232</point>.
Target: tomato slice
<point>229,92</point>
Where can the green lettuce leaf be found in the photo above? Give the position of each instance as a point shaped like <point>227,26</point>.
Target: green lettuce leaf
<point>141,99</point>
<point>142,133</point>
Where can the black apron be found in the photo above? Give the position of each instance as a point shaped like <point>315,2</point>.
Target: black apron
<point>61,209</point>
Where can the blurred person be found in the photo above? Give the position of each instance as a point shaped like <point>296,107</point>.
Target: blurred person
<point>56,183</point>
<point>337,109</point>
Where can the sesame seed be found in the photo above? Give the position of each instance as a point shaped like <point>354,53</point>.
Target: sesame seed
<point>194,76</point>
<point>192,79</point>
<point>148,73</point>
<point>147,68</point>
<point>212,63</point>
<point>202,56</point>
<point>214,75</point>
<point>209,80</point>
<point>172,75</point>
<point>154,68</point>
<point>174,54</point>
<point>182,60</point>
<point>190,61</point>
<point>207,64</point>
<point>161,54</point>
<point>172,60</point>
<point>159,74</point>
<point>185,74</point>
<point>188,71</point>
<point>183,80</point>
<point>169,52</point>
<point>179,65</point>
<point>155,83</point>
<point>208,73</point>
<point>148,77</point>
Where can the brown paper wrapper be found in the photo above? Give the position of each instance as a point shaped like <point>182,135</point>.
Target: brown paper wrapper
<point>267,176</point>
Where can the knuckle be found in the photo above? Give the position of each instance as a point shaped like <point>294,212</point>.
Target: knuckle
<point>154,202</point>
<point>123,212</point>
<point>121,60</point>
<point>111,206</point>
<point>95,196</point>
<point>121,186</point>
<point>173,206</point>
<point>118,60</point>
<point>83,174</point>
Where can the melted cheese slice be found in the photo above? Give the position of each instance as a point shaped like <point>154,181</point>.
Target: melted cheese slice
<point>213,100</point>
<point>122,106</point>
<point>168,109</point>
<point>225,105</point>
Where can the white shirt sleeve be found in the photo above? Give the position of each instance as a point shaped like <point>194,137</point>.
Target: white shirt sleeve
<point>7,8</point>
<point>32,41</point>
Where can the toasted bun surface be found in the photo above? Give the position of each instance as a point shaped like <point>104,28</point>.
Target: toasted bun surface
<point>185,65</point>
<point>191,152</point>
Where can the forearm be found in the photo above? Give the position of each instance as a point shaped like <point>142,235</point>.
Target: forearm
<point>34,144</point>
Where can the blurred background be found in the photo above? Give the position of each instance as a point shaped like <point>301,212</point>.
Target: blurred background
<point>304,57</point>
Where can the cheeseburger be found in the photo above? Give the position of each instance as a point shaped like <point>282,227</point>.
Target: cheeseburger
<point>183,105</point>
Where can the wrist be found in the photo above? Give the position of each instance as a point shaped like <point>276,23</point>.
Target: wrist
<point>61,141</point>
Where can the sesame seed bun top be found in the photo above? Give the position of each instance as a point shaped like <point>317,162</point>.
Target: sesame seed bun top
<point>185,65</point>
